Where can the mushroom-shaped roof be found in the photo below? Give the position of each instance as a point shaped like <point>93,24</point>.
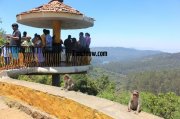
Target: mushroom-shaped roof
<point>43,16</point>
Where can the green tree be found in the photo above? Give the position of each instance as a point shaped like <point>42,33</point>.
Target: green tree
<point>84,84</point>
<point>2,33</point>
<point>164,105</point>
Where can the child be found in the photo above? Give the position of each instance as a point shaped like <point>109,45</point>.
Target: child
<point>6,53</point>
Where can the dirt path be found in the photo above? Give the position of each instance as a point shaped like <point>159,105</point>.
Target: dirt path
<point>11,113</point>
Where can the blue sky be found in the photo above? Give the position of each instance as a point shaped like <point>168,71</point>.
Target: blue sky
<point>141,24</point>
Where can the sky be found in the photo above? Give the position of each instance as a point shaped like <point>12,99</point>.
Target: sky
<point>140,24</point>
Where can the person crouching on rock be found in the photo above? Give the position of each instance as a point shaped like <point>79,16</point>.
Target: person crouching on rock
<point>134,103</point>
<point>68,83</point>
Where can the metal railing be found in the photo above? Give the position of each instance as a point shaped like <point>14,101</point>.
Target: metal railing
<point>21,57</point>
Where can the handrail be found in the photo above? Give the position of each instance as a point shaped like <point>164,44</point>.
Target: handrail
<point>21,57</point>
<point>2,46</point>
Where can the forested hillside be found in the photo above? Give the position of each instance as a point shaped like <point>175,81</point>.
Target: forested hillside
<point>155,81</point>
<point>120,54</point>
<point>163,61</point>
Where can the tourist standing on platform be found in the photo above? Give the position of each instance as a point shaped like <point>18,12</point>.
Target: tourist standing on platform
<point>38,50</point>
<point>25,42</point>
<point>88,40</point>
<point>15,42</point>
<point>82,43</point>
<point>75,45</point>
<point>61,43</point>
<point>33,39</point>
<point>6,53</point>
<point>68,48</point>
<point>48,48</point>
<point>82,40</point>
<point>43,37</point>
<point>48,41</point>
<point>25,38</point>
<point>27,49</point>
<point>75,50</point>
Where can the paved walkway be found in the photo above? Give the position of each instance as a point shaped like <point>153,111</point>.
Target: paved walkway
<point>113,109</point>
<point>11,113</point>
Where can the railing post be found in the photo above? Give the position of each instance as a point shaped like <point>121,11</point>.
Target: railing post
<point>56,80</point>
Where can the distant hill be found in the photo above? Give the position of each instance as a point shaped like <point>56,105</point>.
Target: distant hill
<point>120,54</point>
<point>159,73</point>
<point>162,61</point>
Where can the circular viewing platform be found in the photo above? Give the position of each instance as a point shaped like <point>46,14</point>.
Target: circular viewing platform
<point>48,70</point>
<point>33,60</point>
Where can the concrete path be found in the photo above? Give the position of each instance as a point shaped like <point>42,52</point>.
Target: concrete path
<point>113,109</point>
<point>11,113</point>
<point>2,104</point>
